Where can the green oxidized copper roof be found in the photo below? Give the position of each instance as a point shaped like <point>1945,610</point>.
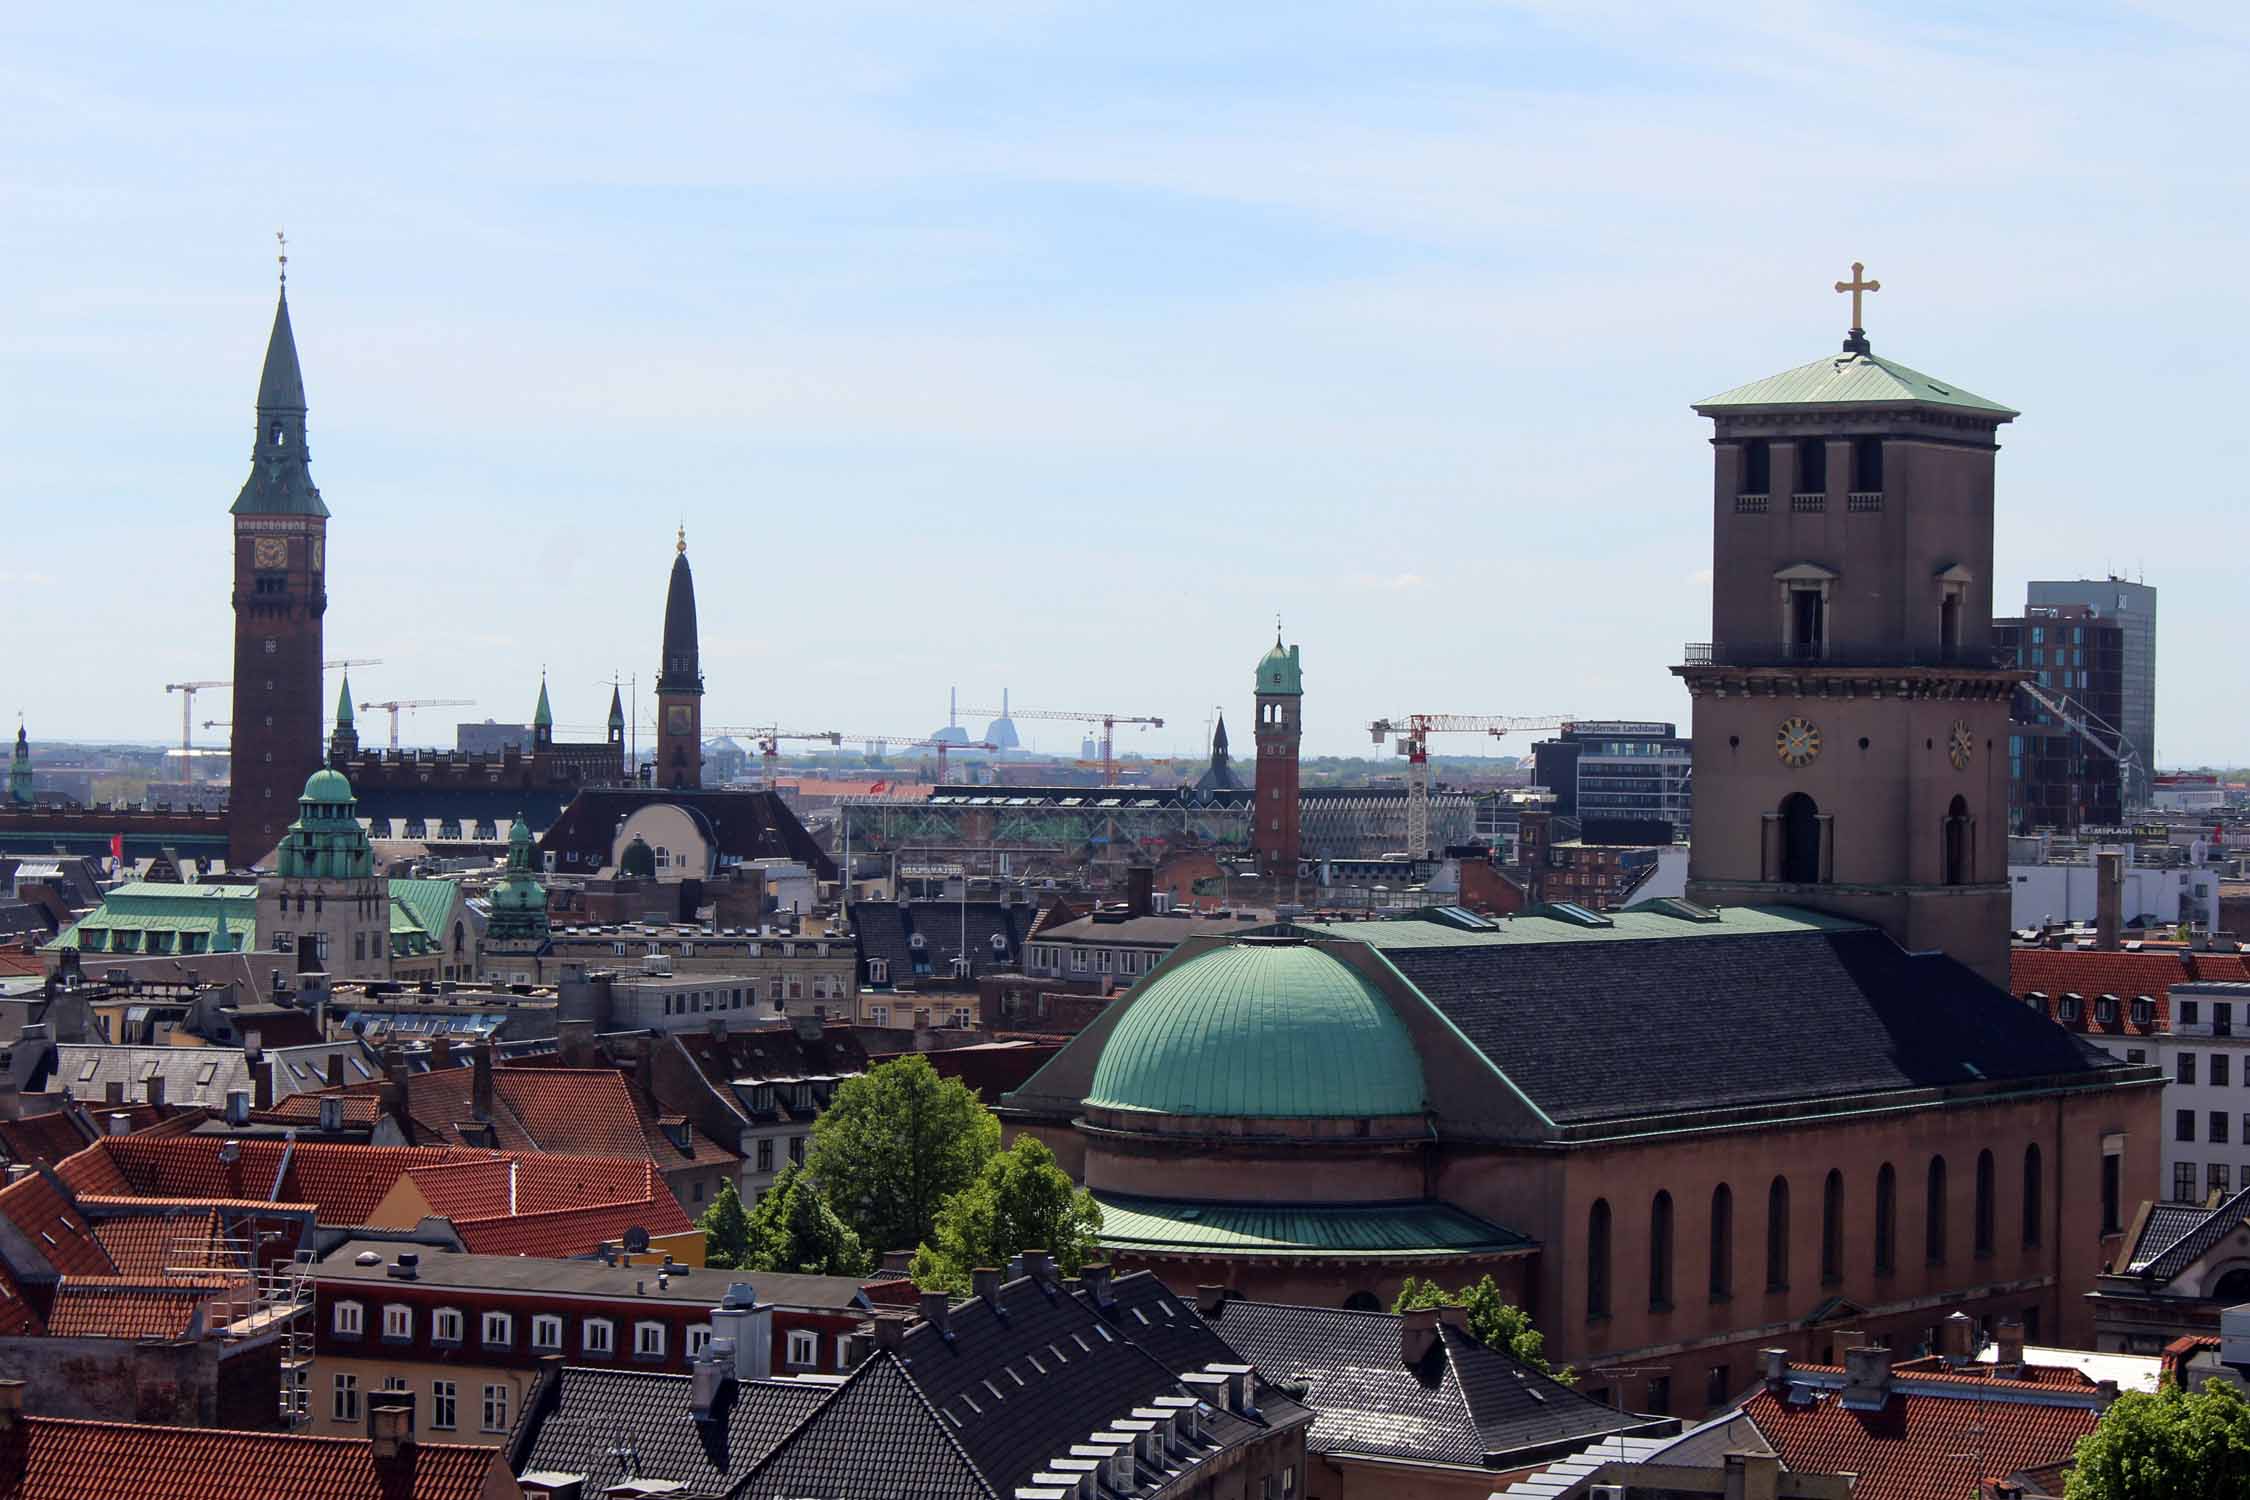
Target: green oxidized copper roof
<point>344,702</point>
<point>163,906</point>
<point>1279,670</point>
<point>1851,380</point>
<point>425,902</point>
<point>326,841</point>
<point>519,902</point>
<point>1259,1029</point>
<point>1341,1231</point>
<point>543,717</point>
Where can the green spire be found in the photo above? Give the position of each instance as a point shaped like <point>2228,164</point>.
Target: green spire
<point>1279,671</point>
<point>544,718</point>
<point>344,703</point>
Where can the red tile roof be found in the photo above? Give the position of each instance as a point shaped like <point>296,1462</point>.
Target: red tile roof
<point>120,1308</point>
<point>1920,1447</point>
<point>550,1205</point>
<point>361,1110</point>
<point>344,1182</point>
<point>69,1460</point>
<point>573,1231</point>
<point>45,1138</point>
<point>56,1229</point>
<point>145,1244</point>
<point>2091,973</point>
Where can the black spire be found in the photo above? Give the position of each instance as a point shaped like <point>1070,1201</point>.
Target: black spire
<point>1219,740</point>
<point>280,482</point>
<point>683,667</point>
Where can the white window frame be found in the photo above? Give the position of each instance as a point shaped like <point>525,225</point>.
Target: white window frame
<point>597,1336</point>
<point>962,1017</point>
<point>878,971</point>
<point>546,1332</point>
<point>649,1341</point>
<point>505,1322</point>
<point>344,1397</point>
<point>445,1326</point>
<point>495,1411</point>
<point>445,1405</point>
<point>398,1321</point>
<point>698,1339</point>
<point>349,1320</point>
<point>878,1015</point>
<point>1078,959</point>
<point>803,1349</point>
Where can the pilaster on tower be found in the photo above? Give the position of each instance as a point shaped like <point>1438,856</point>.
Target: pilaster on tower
<point>1275,816</point>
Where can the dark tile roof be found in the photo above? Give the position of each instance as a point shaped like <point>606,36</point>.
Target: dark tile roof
<point>877,1437</point>
<point>581,1426</point>
<point>1601,1030</point>
<point>887,929</point>
<point>1461,1403</point>
<point>2170,1259</point>
<point>744,825</point>
<point>2165,1226</point>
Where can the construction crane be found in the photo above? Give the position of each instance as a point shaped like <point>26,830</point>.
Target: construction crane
<point>395,704</point>
<point>187,692</point>
<point>1108,721</point>
<point>916,742</point>
<point>769,738</point>
<point>348,662</point>
<point>2089,726</point>
<point>1414,731</point>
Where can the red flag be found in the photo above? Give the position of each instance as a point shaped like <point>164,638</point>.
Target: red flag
<point>117,848</point>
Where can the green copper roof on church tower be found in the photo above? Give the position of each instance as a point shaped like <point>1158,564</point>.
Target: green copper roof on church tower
<point>1280,671</point>
<point>543,717</point>
<point>280,482</point>
<point>1851,380</point>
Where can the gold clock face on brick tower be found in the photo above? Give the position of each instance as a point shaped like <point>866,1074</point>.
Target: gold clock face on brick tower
<point>676,719</point>
<point>1797,741</point>
<point>1960,745</point>
<point>270,552</point>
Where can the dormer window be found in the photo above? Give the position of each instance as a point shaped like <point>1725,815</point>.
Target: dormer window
<point>2070,1009</point>
<point>2144,1011</point>
<point>2105,1010</point>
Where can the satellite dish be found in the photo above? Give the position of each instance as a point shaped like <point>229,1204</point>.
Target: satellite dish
<point>636,1240</point>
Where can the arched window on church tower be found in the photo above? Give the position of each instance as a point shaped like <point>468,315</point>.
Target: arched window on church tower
<point>1960,862</point>
<point>1886,1220</point>
<point>1800,839</point>
<point>1984,1214</point>
<point>1832,1228</point>
<point>1597,1259</point>
<point>1933,1214</point>
<point>1777,1236</point>
<point>1722,1242</point>
<point>2034,1192</point>
<point>1660,1252</point>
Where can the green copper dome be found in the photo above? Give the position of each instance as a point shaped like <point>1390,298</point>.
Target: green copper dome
<point>1260,1029</point>
<point>519,902</point>
<point>1279,672</point>
<point>326,842</point>
<point>327,786</point>
<point>638,862</point>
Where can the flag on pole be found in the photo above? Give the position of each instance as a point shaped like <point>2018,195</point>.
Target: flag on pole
<point>117,850</point>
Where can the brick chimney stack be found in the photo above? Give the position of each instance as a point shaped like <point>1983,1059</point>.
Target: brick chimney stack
<point>480,1058</point>
<point>2109,899</point>
<point>1417,1334</point>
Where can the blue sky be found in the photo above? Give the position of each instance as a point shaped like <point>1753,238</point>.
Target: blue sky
<point>1061,347</point>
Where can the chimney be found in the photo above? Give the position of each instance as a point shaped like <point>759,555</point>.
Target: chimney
<point>152,1089</point>
<point>1776,1363</point>
<point>2109,899</point>
<point>1208,1298</point>
<point>407,1266</point>
<point>390,1422</point>
<point>480,1058</point>
<point>985,1282</point>
<point>2010,1354</point>
<point>2105,1393</point>
<point>936,1311</point>
<point>1094,1276</point>
<point>576,1039</point>
<point>1867,1378</point>
<point>898,1260</point>
<point>1957,1338</point>
<point>253,1046</point>
<point>11,1404</point>
<point>1039,1266</point>
<point>332,1113</point>
<point>441,1052</point>
<point>1417,1334</point>
<point>1454,1315</point>
<point>119,1123</point>
<point>1242,1393</point>
<point>1140,890</point>
<point>1753,1474</point>
<point>739,1318</point>
<point>890,1329</point>
<point>706,1382</point>
<point>238,1106</point>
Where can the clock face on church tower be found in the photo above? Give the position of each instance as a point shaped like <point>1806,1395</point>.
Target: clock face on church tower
<point>1796,742</point>
<point>1960,745</point>
<point>270,552</point>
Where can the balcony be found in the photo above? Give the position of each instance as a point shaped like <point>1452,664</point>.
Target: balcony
<point>1807,505</point>
<point>1863,502</point>
<point>1790,653</point>
<point>1750,505</point>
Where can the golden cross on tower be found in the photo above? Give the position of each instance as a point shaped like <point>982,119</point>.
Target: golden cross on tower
<point>1855,286</point>
<point>282,239</point>
<point>683,536</point>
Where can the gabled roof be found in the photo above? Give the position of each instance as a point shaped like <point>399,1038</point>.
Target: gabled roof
<point>1851,380</point>
<point>887,930</point>
<point>43,1214</point>
<point>745,825</point>
<point>876,1437</point>
<point>1461,1403</point>
<point>2093,972</point>
<point>343,1182</point>
<point>2191,1241</point>
<point>71,1460</point>
<point>580,1426</point>
<point>123,1308</point>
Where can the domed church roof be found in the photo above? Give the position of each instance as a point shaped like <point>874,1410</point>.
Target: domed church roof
<point>1262,1028</point>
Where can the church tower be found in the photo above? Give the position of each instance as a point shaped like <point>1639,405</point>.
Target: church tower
<point>19,772</point>
<point>543,720</point>
<point>679,687</point>
<point>343,740</point>
<point>1851,712</point>
<point>617,732</point>
<point>1274,819</point>
<point>280,595</point>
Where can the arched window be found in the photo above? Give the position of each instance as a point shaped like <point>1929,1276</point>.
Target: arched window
<point>1800,839</point>
<point>460,935</point>
<point>2034,1192</point>
<point>1886,1220</point>
<point>1777,1236</point>
<point>1363,1302</point>
<point>1933,1214</point>
<point>1984,1203</point>
<point>2232,1287</point>
<point>1660,1252</point>
<point>1832,1228</point>
<point>1722,1242</point>
<point>1597,1259</point>
<point>1960,861</point>
<point>1812,466</point>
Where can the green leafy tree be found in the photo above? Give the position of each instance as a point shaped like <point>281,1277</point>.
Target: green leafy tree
<point>1020,1201</point>
<point>726,1231</point>
<point>794,1229</point>
<point>1493,1320</point>
<point>2174,1445</point>
<point>895,1144</point>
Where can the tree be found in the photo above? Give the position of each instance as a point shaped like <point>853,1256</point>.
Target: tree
<point>896,1143</point>
<point>794,1229</point>
<point>2176,1444</point>
<point>1020,1201</point>
<point>1493,1320</point>
<point>726,1231</point>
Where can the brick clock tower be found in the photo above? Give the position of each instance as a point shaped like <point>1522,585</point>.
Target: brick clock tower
<point>679,687</point>
<point>280,595</point>
<point>1274,819</point>
<point>1851,712</point>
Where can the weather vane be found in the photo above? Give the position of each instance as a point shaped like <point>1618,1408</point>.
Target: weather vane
<point>281,239</point>
<point>683,536</point>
